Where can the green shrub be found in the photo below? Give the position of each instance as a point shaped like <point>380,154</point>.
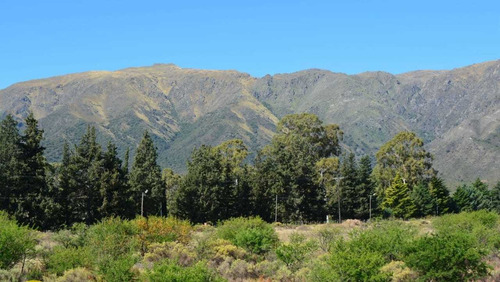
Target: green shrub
<point>252,234</point>
<point>16,242</point>
<point>349,263</point>
<point>447,257</point>
<point>62,259</point>
<point>118,269</point>
<point>482,225</point>
<point>361,257</point>
<point>172,272</point>
<point>110,238</point>
<point>297,252</point>
<point>326,235</point>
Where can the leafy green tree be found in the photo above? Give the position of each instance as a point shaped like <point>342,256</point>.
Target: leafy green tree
<point>441,196</point>
<point>286,167</point>
<point>328,171</point>
<point>146,175</point>
<point>172,183</point>
<point>485,195</point>
<point>398,200</point>
<point>404,155</point>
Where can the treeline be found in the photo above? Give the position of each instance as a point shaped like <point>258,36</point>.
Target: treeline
<point>301,176</point>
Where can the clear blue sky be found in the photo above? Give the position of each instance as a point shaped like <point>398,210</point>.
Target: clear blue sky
<point>46,38</point>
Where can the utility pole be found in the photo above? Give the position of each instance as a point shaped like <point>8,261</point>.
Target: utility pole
<point>276,209</point>
<point>371,205</point>
<point>339,192</point>
<point>142,202</point>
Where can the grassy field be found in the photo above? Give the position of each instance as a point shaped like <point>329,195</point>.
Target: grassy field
<point>455,247</point>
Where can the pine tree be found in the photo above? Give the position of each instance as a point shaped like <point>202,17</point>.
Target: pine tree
<point>114,190</point>
<point>424,202</point>
<point>85,171</point>
<point>495,197</point>
<point>146,175</point>
<point>11,165</point>
<point>397,199</point>
<point>441,196</point>
<point>348,194</point>
<point>364,189</point>
<point>33,189</point>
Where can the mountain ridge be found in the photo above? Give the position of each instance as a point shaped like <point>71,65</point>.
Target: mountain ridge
<point>455,111</point>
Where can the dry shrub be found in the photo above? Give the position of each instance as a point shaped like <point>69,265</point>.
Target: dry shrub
<point>352,223</point>
<point>77,275</point>
<point>170,250</point>
<point>160,229</point>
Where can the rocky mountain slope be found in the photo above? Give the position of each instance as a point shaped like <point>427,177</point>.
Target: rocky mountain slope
<point>457,112</point>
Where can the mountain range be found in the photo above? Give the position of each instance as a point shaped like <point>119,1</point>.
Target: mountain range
<point>456,112</point>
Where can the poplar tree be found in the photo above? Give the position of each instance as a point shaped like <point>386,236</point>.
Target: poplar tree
<point>145,174</point>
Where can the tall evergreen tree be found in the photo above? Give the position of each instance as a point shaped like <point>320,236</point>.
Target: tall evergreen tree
<point>146,175</point>
<point>32,187</point>
<point>397,199</point>
<point>441,196</point>
<point>364,189</point>
<point>347,187</point>
<point>114,190</point>
<point>424,202</point>
<point>85,172</point>
<point>495,197</point>
<point>11,165</point>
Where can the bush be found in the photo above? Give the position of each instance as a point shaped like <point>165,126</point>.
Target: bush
<point>447,257</point>
<point>172,272</point>
<point>16,242</point>
<point>170,250</point>
<point>482,225</point>
<point>362,256</point>
<point>160,229</point>
<point>326,236</point>
<point>77,275</point>
<point>297,252</point>
<point>62,259</point>
<point>252,234</point>
<point>118,269</point>
<point>348,263</point>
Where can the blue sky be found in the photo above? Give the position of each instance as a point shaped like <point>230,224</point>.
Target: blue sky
<point>45,38</point>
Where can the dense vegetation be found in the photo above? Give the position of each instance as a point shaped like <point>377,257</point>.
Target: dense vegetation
<point>92,200</point>
<point>453,247</point>
<point>301,176</point>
